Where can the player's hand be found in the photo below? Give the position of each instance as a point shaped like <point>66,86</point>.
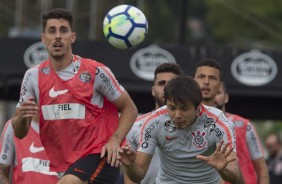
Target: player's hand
<point>126,155</point>
<point>111,149</point>
<point>220,158</point>
<point>28,108</point>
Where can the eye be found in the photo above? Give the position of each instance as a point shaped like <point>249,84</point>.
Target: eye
<point>64,30</point>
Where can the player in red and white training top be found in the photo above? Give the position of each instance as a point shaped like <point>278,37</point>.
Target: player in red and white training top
<point>25,158</point>
<point>249,149</point>
<point>196,143</point>
<point>78,102</point>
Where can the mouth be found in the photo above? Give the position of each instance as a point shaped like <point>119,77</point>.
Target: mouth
<point>57,45</point>
<point>205,90</point>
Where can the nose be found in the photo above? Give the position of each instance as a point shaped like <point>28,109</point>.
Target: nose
<point>58,34</point>
<point>177,114</point>
<point>206,80</point>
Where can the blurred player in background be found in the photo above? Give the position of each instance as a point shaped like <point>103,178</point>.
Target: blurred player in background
<point>208,74</point>
<point>274,161</point>
<point>249,149</point>
<point>24,159</point>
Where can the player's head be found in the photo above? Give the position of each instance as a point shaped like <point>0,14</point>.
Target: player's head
<point>221,98</point>
<point>273,144</point>
<point>57,13</point>
<point>183,96</point>
<point>57,34</point>
<point>208,74</point>
<point>163,73</point>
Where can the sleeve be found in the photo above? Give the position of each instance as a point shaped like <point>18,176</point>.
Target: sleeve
<point>29,87</point>
<point>107,84</point>
<point>7,146</point>
<point>253,142</point>
<point>133,136</point>
<point>225,131</point>
<point>149,135</point>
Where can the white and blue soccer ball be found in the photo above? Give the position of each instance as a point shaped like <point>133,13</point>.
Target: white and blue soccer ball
<point>125,26</point>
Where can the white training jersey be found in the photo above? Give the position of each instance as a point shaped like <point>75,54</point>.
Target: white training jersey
<point>105,83</point>
<point>178,148</point>
<point>132,138</point>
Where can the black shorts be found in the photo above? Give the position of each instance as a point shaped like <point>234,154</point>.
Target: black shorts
<point>94,169</point>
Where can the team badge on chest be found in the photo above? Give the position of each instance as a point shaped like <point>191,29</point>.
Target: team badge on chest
<point>85,76</point>
<point>199,139</point>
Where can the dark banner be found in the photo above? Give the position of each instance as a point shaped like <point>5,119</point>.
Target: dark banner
<point>248,73</point>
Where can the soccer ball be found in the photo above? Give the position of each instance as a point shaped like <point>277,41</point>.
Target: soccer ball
<point>125,26</point>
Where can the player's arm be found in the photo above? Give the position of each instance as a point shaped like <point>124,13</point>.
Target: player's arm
<point>224,160</point>
<point>256,154</point>
<point>26,107</point>
<point>135,164</point>
<point>4,173</point>
<point>128,114</point>
<point>22,119</point>
<point>128,111</point>
<point>7,152</point>
<point>261,171</point>
<point>232,172</point>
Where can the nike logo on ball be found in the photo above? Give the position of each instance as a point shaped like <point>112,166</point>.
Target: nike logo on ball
<point>33,149</point>
<point>53,93</point>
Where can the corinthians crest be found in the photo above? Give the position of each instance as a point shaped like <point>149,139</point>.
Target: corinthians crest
<point>199,139</point>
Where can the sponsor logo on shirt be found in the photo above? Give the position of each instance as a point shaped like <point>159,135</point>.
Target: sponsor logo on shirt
<point>107,81</point>
<point>148,131</point>
<point>53,93</point>
<point>199,139</point>
<point>34,149</point>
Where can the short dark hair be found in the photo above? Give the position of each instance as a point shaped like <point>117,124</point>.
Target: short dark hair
<point>211,63</point>
<point>183,89</point>
<point>57,13</point>
<point>168,67</point>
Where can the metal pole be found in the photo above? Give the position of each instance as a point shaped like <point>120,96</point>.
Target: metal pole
<point>183,21</point>
<point>92,20</point>
<point>18,15</point>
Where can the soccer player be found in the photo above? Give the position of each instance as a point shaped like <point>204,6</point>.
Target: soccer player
<point>79,100</point>
<point>163,73</point>
<point>249,149</point>
<point>195,142</point>
<point>25,160</point>
<point>274,161</point>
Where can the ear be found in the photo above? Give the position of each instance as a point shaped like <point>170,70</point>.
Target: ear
<point>226,99</point>
<point>153,91</point>
<point>198,109</point>
<point>221,85</point>
<point>73,37</point>
<point>42,38</point>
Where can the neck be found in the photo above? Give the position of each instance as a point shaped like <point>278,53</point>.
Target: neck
<point>59,64</point>
<point>209,102</point>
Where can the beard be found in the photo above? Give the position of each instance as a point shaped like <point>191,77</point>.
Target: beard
<point>160,101</point>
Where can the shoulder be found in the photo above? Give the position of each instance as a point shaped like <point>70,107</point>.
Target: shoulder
<point>212,113</point>
<point>8,128</point>
<point>238,120</point>
<point>32,71</point>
